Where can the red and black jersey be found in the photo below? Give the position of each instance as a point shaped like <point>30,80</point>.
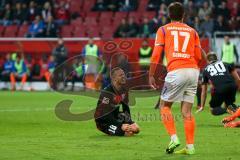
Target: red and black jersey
<point>108,106</point>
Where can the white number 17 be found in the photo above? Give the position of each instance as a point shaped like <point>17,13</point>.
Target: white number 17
<point>185,43</point>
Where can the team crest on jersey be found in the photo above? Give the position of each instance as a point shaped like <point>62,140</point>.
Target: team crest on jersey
<point>105,100</point>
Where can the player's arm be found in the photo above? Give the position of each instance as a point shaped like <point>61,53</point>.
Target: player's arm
<point>236,77</point>
<point>107,106</point>
<point>204,92</point>
<point>156,55</point>
<point>200,55</point>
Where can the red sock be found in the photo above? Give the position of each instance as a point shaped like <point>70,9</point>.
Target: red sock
<point>168,120</point>
<point>189,126</point>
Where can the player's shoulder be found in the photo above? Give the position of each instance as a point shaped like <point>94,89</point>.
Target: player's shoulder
<point>178,26</point>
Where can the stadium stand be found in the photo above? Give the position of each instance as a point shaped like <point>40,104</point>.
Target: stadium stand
<point>78,12</point>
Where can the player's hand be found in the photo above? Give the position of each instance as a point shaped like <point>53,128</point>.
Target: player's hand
<point>199,110</point>
<point>152,82</point>
<point>126,127</point>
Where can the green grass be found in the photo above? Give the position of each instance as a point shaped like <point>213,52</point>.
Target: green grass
<point>30,130</point>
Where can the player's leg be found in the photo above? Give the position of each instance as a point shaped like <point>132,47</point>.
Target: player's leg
<point>189,127</point>
<point>23,80</point>
<point>230,98</point>
<point>169,124</point>
<point>232,117</point>
<point>13,81</point>
<point>173,90</point>
<point>232,124</point>
<point>215,104</point>
<point>186,110</point>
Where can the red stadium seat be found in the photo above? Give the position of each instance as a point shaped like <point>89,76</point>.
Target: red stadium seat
<point>11,31</point>
<point>23,31</point>
<point>93,14</point>
<point>150,15</point>
<point>77,22</point>
<point>88,5</point>
<point>136,15</point>
<point>107,32</point>
<point>105,22</point>
<point>90,21</point>
<point>106,15</point>
<point>1,30</point>
<point>93,31</point>
<point>142,5</point>
<point>66,31</point>
<point>79,31</point>
<point>75,6</point>
<point>120,15</point>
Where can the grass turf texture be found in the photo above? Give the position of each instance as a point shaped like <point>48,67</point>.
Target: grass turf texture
<point>30,130</point>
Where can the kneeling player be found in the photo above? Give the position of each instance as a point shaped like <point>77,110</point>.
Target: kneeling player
<point>108,117</point>
<point>223,78</point>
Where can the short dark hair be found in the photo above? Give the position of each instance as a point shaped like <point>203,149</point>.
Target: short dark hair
<point>176,11</point>
<point>212,57</point>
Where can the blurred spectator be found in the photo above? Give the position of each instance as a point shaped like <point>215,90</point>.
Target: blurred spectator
<point>112,5</point>
<point>122,29</point>
<point>207,27</point>
<point>133,28</point>
<point>62,13</point>
<point>36,28</point>
<point>196,24</point>
<point>234,24</point>
<point>153,5</point>
<point>235,11</point>
<point>220,24</point>
<point>60,53</point>
<point>128,5</point>
<point>78,73</point>
<point>146,29</point>
<point>50,28</point>
<point>145,53</point>
<point>163,10</point>
<point>47,11</point>
<point>92,57</point>
<point>229,52</point>
<point>7,15</point>
<point>205,10</point>
<point>190,9</point>
<point>33,12</point>
<point>19,71</point>
<point>7,68</point>
<point>50,68</point>
<point>223,10</point>
<point>18,14</point>
<point>100,5</point>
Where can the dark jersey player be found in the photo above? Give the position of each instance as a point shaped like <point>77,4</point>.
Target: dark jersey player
<point>110,118</point>
<point>224,81</point>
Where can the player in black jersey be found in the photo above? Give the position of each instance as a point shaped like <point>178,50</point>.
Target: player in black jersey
<point>108,117</point>
<point>224,81</point>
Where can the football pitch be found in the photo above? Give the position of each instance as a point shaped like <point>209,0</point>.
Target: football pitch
<point>30,130</point>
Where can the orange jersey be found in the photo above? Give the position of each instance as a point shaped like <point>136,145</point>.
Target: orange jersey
<point>180,44</point>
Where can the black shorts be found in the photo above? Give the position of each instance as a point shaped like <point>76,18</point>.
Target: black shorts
<point>227,95</point>
<point>111,128</point>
